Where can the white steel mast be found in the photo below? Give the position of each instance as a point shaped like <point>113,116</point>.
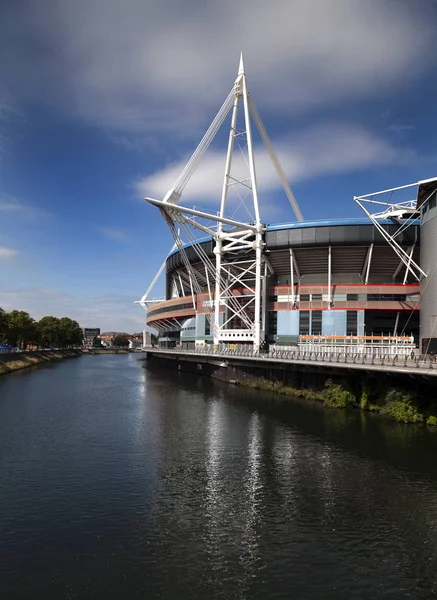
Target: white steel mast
<point>238,246</point>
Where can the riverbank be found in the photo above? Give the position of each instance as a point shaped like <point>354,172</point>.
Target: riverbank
<point>396,395</point>
<point>397,404</point>
<point>15,361</point>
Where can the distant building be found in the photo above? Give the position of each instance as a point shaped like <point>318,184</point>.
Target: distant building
<point>147,338</point>
<point>90,337</point>
<point>107,338</point>
<point>137,340</point>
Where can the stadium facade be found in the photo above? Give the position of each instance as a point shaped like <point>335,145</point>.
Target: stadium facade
<point>365,284</point>
<point>329,279</point>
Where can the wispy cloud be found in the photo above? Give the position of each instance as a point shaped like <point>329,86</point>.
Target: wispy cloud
<point>10,204</point>
<point>327,149</point>
<point>7,253</point>
<point>400,128</point>
<point>115,234</point>
<point>164,68</point>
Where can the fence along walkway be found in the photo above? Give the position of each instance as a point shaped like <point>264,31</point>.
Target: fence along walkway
<point>414,365</point>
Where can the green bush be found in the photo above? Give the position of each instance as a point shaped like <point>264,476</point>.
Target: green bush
<point>364,400</point>
<point>373,395</point>
<point>335,396</point>
<point>399,406</point>
<point>431,420</point>
<point>403,412</point>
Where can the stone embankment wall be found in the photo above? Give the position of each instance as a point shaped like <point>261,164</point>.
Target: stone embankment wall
<point>15,361</point>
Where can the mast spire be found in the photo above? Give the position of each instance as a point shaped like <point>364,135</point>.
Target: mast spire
<point>241,65</point>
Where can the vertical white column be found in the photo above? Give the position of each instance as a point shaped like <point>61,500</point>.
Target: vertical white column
<point>257,316</point>
<point>265,301</point>
<point>218,250</point>
<point>293,300</point>
<point>366,281</point>
<point>258,236</point>
<point>218,266</point>
<point>329,279</point>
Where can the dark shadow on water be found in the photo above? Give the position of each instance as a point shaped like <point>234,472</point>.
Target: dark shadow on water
<point>405,446</point>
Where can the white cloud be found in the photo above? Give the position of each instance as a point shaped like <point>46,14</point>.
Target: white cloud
<point>114,234</point>
<point>147,65</point>
<point>327,149</point>
<point>10,204</point>
<point>7,253</point>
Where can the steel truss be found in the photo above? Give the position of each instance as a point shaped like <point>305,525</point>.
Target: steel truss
<point>403,213</point>
<point>236,279</point>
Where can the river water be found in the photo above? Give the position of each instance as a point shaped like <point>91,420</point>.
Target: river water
<point>119,481</point>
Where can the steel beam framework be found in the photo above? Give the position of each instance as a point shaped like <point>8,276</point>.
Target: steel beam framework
<point>404,214</point>
<point>240,268</point>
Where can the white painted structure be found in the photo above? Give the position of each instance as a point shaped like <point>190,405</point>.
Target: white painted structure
<point>241,267</point>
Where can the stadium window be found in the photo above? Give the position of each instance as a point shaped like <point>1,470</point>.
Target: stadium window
<point>351,322</point>
<point>272,322</point>
<point>316,322</point>
<point>304,322</point>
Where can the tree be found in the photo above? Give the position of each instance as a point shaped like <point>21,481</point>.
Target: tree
<point>49,331</point>
<point>3,326</point>
<point>121,341</point>
<point>71,333</point>
<point>21,328</point>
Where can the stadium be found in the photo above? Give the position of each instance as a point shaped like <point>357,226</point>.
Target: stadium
<point>362,285</point>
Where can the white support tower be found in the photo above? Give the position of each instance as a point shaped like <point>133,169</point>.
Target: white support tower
<point>240,268</point>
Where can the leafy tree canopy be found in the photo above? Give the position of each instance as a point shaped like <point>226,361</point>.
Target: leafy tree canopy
<point>17,328</point>
<point>3,326</point>
<point>21,328</point>
<point>121,341</point>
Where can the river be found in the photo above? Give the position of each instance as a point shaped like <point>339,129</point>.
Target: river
<point>119,481</point>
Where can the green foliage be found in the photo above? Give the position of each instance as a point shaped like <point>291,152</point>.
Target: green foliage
<point>17,328</point>
<point>121,341</point>
<point>399,406</point>
<point>21,328</point>
<point>336,396</point>
<point>373,395</point>
<point>54,332</point>
<point>70,331</point>
<point>3,326</point>
<point>395,403</point>
<point>364,400</point>
<point>49,332</point>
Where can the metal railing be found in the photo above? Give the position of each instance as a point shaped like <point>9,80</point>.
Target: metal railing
<point>413,361</point>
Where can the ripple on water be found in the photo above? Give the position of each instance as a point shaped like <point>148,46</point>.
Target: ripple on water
<point>120,481</point>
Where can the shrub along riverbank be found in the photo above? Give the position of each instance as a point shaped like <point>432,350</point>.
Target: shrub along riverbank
<point>14,361</point>
<point>403,406</point>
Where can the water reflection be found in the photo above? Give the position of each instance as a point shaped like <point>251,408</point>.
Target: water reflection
<point>216,511</point>
<point>253,485</point>
<point>121,482</point>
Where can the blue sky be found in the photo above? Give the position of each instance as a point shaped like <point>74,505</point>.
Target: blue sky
<point>101,102</point>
